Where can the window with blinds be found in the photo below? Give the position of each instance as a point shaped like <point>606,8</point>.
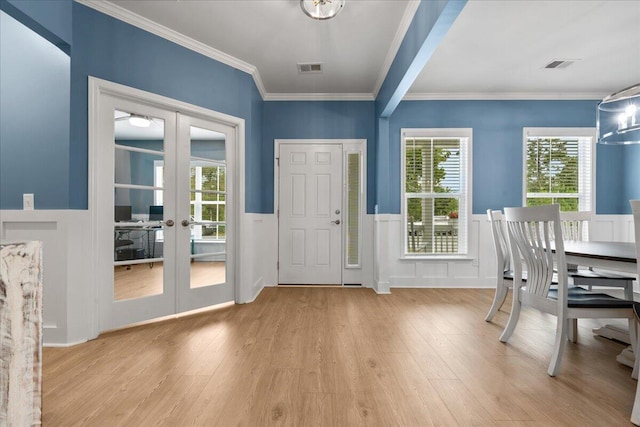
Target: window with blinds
<point>435,191</point>
<point>558,168</point>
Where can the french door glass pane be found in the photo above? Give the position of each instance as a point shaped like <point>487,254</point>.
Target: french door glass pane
<point>208,203</point>
<point>137,227</point>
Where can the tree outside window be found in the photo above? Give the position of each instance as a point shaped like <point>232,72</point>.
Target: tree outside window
<point>553,172</point>
<point>433,190</point>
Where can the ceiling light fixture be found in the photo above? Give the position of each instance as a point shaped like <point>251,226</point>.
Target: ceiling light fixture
<point>322,9</point>
<point>139,121</point>
<point>618,117</point>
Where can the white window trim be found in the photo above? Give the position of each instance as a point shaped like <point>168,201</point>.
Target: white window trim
<point>467,170</point>
<point>550,132</point>
<point>158,166</point>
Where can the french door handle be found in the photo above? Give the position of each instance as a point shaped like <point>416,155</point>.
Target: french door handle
<point>169,223</point>
<point>186,223</point>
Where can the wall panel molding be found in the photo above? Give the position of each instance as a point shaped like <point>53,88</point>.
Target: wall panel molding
<point>66,268</point>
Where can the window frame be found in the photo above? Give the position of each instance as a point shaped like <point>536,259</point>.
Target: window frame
<point>466,172</point>
<point>565,132</point>
<point>198,204</point>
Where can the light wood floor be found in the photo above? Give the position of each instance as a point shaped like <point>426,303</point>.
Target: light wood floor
<point>338,357</point>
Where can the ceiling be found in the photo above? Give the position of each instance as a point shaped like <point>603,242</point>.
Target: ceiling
<point>495,49</point>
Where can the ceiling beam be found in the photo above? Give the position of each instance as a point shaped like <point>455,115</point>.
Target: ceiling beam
<point>432,21</point>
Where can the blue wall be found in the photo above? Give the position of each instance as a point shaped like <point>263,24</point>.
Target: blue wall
<point>317,120</point>
<point>497,146</point>
<point>34,118</point>
<point>113,50</point>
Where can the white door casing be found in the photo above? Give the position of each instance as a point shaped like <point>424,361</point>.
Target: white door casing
<point>310,220</point>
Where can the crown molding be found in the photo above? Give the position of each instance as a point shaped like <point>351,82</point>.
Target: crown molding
<point>403,27</point>
<point>319,97</point>
<point>159,30</point>
<point>486,96</point>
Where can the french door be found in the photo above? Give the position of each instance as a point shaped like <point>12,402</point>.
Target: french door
<point>165,213</point>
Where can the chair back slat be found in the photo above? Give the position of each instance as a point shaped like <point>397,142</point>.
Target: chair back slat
<point>575,225</point>
<point>500,242</point>
<point>531,232</point>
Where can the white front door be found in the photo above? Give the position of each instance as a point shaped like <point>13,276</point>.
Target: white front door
<point>164,214</point>
<point>310,220</point>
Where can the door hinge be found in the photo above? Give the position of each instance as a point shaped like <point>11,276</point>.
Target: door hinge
<point>278,214</point>
<point>277,265</point>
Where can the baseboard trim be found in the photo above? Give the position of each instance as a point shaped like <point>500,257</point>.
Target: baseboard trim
<point>63,345</point>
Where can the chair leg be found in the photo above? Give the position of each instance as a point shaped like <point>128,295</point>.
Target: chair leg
<point>636,360</point>
<point>558,348</point>
<point>635,412</point>
<point>634,337</point>
<point>498,300</point>
<point>572,333</point>
<point>513,317</point>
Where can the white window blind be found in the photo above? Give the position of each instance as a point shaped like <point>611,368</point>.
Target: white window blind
<point>354,208</point>
<point>435,192</point>
<point>558,168</point>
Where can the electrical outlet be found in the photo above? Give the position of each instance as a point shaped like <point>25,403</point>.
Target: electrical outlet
<point>27,201</point>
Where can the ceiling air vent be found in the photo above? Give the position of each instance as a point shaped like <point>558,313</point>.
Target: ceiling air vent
<point>310,68</point>
<point>560,63</point>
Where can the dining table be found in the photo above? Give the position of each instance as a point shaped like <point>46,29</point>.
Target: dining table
<point>613,256</point>
<point>619,257</point>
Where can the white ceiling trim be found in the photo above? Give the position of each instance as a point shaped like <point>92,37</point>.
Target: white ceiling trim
<point>403,27</point>
<point>503,96</point>
<point>136,20</point>
<point>319,97</point>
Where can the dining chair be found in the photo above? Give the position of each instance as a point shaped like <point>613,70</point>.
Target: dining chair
<point>530,231</point>
<point>504,274</point>
<point>635,412</point>
<point>575,226</point>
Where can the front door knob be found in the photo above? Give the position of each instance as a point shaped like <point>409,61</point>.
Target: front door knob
<point>336,222</point>
<point>169,223</point>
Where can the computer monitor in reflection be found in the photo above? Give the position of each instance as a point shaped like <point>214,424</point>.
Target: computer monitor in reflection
<point>155,213</point>
<point>122,213</point>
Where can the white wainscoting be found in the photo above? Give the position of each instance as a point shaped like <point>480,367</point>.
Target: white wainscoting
<point>69,305</point>
<point>67,278</point>
<point>476,271</point>
<point>261,240</point>
<point>259,253</point>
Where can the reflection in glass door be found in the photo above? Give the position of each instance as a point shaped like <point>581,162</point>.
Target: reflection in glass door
<point>138,236</point>
<point>207,182</point>
<point>163,210</point>
<point>203,231</point>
